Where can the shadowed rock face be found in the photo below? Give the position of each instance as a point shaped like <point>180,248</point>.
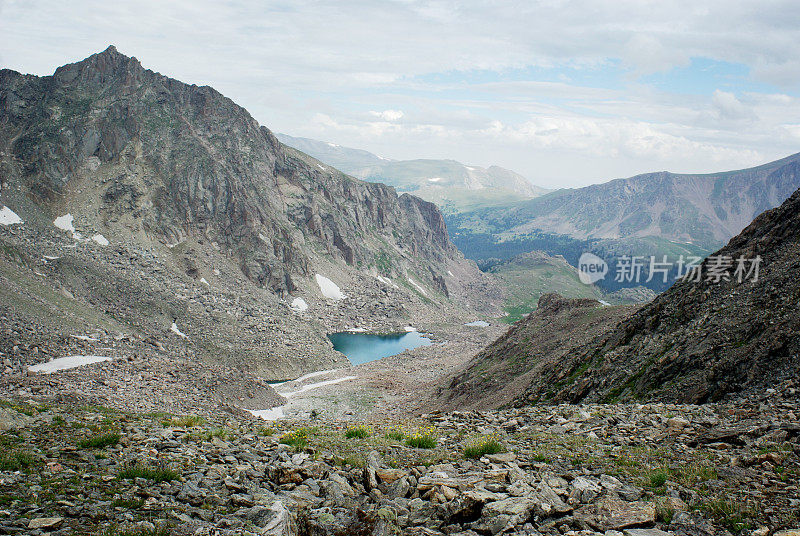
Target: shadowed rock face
<point>187,161</point>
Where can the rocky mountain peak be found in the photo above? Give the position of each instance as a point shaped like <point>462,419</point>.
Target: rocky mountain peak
<point>177,161</point>
<point>101,68</point>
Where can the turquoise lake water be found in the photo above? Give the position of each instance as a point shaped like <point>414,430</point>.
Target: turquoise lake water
<point>364,347</point>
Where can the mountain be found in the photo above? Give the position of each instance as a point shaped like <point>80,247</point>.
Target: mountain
<point>342,158</point>
<point>704,210</point>
<point>699,341</point>
<point>184,212</point>
<point>453,186</point>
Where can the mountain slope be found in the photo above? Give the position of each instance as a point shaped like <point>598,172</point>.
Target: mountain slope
<point>698,341</point>
<point>706,210</point>
<point>537,349</point>
<point>343,158</point>
<point>453,186</point>
<point>528,276</point>
<point>211,221</point>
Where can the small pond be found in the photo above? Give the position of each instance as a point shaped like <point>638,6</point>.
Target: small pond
<point>364,347</point>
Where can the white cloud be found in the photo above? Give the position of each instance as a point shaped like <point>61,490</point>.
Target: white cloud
<point>388,115</point>
<point>648,54</point>
<point>379,75</point>
<point>728,107</point>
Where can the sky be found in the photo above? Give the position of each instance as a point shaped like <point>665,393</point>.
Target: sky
<point>565,93</point>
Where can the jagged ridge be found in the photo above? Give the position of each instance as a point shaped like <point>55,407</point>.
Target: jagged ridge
<point>188,161</point>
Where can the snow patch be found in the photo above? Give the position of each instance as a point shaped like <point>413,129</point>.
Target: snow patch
<point>434,179</point>
<point>332,144</point>
<point>65,223</point>
<point>386,281</point>
<point>174,329</point>
<point>450,273</point>
<point>100,239</point>
<point>271,414</point>
<point>604,303</point>
<point>419,288</point>
<point>50,258</point>
<point>317,385</point>
<point>299,305</point>
<point>410,329</point>
<point>356,330</point>
<point>478,324</point>
<point>84,338</point>
<point>9,217</point>
<point>309,375</point>
<point>277,412</point>
<point>329,289</point>
<point>321,167</point>
<point>470,168</point>
<point>66,363</point>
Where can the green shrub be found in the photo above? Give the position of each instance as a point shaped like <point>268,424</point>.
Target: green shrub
<point>423,440</point>
<point>359,431</point>
<point>296,438</point>
<point>658,479</point>
<point>483,446</point>
<point>130,504</point>
<point>185,421</point>
<point>158,472</point>
<point>100,441</point>
<point>734,515</point>
<point>16,460</point>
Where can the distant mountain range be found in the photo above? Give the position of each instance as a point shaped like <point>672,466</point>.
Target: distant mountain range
<point>453,186</point>
<point>704,210</point>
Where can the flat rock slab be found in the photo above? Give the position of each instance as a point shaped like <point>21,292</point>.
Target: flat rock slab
<point>503,457</point>
<point>462,482</point>
<point>647,532</point>
<point>612,513</point>
<point>45,522</point>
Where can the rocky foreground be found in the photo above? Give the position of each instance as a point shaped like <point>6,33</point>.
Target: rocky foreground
<point>591,469</point>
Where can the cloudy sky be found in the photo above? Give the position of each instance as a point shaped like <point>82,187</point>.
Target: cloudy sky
<point>566,93</point>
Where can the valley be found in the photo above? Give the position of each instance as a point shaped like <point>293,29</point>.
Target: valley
<point>207,329</point>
